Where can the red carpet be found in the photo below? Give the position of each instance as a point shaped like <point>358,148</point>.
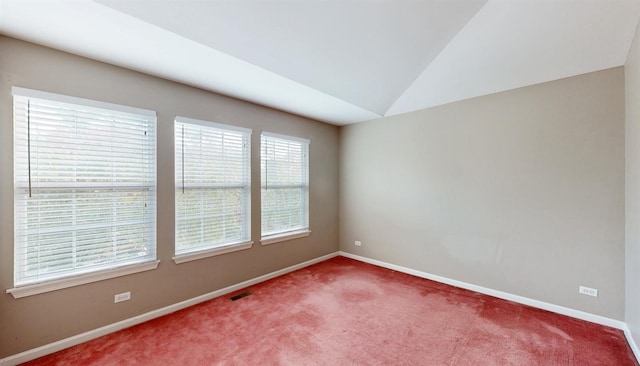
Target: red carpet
<point>344,312</point>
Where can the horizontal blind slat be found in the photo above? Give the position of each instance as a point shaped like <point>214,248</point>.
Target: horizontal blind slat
<point>85,187</point>
<point>284,183</point>
<point>212,178</point>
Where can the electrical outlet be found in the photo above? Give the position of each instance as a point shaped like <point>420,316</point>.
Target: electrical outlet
<point>588,291</point>
<point>357,243</point>
<point>125,296</point>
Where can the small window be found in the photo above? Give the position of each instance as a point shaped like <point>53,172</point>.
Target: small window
<point>284,165</point>
<point>85,187</point>
<point>213,190</point>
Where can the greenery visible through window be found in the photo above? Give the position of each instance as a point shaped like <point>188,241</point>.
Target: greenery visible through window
<point>285,184</point>
<point>212,180</point>
<point>85,186</point>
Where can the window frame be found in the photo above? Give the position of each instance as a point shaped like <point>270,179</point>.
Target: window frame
<point>25,285</point>
<point>291,232</point>
<point>220,248</point>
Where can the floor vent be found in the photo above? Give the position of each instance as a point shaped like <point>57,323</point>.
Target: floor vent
<point>240,296</point>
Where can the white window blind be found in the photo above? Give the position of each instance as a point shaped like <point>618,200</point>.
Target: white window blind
<point>284,168</point>
<point>213,190</point>
<point>85,186</point>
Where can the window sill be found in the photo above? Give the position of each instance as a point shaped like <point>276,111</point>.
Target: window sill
<point>272,239</point>
<point>39,288</point>
<point>188,257</point>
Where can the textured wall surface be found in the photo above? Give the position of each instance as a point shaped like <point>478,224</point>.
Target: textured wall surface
<point>33,321</point>
<point>520,191</point>
<point>632,186</point>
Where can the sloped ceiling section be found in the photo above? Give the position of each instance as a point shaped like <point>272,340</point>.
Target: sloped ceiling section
<point>338,61</point>
<point>363,52</point>
<point>510,44</point>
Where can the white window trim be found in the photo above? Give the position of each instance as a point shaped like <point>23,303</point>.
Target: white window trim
<point>30,93</point>
<point>212,252</point>
<point>289,235</point>
<point>200,122</point>
<point>286,137</point>
<point>228,247</point>
<point>40,288</point>
<point>277,238</point>
<point>75,279</point>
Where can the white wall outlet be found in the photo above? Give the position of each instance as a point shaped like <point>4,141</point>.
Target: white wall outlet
<point>588,291</point>
<point>122,297</point>
<point>358,243</point>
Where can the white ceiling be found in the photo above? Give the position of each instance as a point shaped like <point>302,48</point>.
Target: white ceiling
<point>339,61</point>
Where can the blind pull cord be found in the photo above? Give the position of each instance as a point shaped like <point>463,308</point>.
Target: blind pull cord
<point>266,169</point>
<point>29,142</point>
<point>182,153</point>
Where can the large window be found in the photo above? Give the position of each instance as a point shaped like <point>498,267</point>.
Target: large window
<point>85,186</point>
<point>212,180</point>
<point>285,187</point>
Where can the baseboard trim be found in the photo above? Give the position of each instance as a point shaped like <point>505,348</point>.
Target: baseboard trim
<point>495,293</point>
<point>111,328</point>
<point>631,341</point>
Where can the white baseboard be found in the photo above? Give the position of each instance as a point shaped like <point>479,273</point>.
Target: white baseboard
<point>495,293</point>
<point>111,328</point>
<point>632,342</point>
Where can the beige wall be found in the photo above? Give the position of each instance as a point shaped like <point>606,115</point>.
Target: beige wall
<point>520,191</point>
<point>632,186</point>
<point>37,320</point>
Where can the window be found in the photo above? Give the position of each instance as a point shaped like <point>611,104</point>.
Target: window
<point>213,191</point>
<point>284,165</point>
<point>85,187</point>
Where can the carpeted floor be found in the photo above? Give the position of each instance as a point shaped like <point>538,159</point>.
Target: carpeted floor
<point>344,312</point>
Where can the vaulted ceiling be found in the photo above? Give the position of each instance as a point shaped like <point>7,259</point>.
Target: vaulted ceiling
<point>338,61</point>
